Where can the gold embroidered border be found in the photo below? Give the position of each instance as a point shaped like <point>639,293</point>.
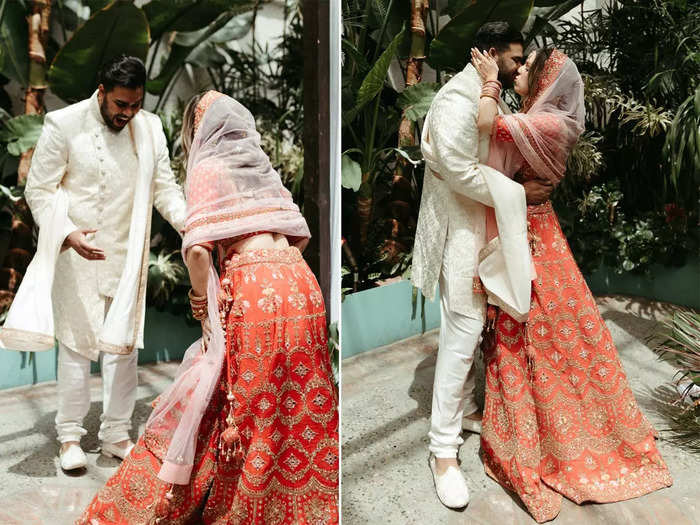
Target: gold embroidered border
<point>289,255</point>
<point>26,341</point>
<point>113,349</point>
<point>221,217</point>
<point>536,209</point>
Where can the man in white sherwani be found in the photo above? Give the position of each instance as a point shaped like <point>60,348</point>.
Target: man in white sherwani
<point>89,150</point>
<point>457,189</point>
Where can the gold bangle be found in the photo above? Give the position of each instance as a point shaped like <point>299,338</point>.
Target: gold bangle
<point>196,298</point>
<point>199,313</point>
<point>199,305</point>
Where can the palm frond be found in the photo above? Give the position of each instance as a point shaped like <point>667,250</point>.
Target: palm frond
<point>680,344</point>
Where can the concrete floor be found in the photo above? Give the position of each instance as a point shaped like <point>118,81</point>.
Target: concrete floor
<point>386,397</point>
<point>33,488</point>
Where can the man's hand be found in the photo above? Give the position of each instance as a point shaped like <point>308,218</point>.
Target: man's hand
<point>537,191</point>
<point>78,241</point>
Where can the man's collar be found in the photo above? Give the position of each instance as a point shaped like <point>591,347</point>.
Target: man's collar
<point>95,110</point>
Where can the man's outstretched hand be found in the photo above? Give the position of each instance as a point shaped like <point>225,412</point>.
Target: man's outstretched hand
<point>78,241</point>
<point>537,191</point>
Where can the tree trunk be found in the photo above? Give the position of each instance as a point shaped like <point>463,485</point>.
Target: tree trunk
<point>317,148</point>
<point>401,223</point>
<point>21,248</point>
<point>38,22</point>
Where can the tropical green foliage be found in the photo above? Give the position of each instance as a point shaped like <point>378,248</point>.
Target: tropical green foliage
<point>639,206</point>
<point>165,272</point>
<point>121,28</point>
<point>630,198</point>
<point>21,133</point>
<point>449,50</point>
<point>380,208</point>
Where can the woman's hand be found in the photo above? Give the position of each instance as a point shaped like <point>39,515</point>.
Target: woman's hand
<point>485,64</point>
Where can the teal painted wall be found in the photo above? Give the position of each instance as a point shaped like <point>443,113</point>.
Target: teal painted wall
<point>166,338</point>
<point>679,286</point>
<point>383,315</point>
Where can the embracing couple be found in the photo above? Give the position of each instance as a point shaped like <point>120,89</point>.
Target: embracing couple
<point>248,430</point>
<point>559,416</point>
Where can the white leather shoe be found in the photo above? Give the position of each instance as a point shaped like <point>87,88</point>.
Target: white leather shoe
<point>451,487</point>
<point>471,425</point>
<point>111,450</point>
<point>72,458</point>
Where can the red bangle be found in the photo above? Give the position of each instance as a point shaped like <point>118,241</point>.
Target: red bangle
<point>489,96</point>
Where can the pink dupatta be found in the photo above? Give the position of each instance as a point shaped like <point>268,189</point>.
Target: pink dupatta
<point>544,134</point>
<point>231,190</point>
<point>547,129</point>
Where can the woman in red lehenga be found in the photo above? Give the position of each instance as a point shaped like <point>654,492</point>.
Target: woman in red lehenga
<point>559,417</point>
<point>248,431</point>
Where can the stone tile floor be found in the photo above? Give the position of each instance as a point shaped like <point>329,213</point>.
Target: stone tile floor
<point>386,397</point>
<point>33,488</point>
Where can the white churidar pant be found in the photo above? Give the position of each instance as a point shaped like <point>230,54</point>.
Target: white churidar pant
<point>119,382</point>
<point>454,386</point>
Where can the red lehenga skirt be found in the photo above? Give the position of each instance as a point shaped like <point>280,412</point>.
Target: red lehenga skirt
<point>559,417</point>
<point>286,412</point>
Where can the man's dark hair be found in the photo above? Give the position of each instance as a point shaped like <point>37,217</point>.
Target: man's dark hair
<point>124,71</point>
<point>498,35</point>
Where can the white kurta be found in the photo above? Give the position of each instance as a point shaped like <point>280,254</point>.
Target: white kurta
<point>97,168</point>
<point>452,217</point>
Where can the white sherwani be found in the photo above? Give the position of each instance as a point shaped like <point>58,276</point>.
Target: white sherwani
<point>452,220</point>
<point>97,168</point>
<point>449,236</point>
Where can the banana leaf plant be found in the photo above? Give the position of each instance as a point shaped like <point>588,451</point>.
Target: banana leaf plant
<point>118,28</point>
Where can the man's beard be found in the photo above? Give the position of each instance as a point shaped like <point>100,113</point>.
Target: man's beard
<point>109,119</point>
<point>506,79</point>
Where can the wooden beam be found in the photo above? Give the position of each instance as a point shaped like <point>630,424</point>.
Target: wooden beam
<point>317,141</point>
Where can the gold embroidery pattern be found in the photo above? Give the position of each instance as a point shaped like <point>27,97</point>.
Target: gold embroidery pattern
<point>203,105</point>
<point>560,418</point>
<point>224,217</point>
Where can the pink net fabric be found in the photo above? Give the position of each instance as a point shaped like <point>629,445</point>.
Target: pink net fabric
<point>231,190</point>
<point>545,132</point>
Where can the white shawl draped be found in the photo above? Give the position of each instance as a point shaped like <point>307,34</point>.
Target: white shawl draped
<point>30,322</point>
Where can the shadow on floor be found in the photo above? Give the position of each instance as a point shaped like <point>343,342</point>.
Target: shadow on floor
<point>39,462</point>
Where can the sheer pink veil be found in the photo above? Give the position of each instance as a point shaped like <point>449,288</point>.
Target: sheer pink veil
<point>547,129</point>
<point>231,190</point>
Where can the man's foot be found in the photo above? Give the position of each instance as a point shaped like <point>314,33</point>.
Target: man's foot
<point>450,485</point>
<point>72,456</point>
<point>472,422</point>
<point>119,450</point>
